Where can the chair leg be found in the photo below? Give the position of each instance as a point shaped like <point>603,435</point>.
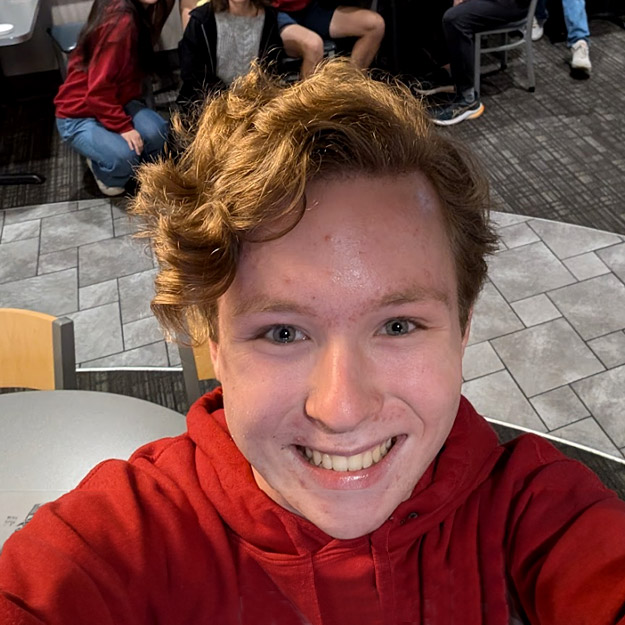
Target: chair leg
<point>529,60</point>
<point>148,93</point>
<point>61,61</point>
<point>477,69</point>
<point>504,54</point>
<point>25,178</point>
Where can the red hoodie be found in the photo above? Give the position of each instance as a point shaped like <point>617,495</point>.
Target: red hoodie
<point>291,6</point>
<point>111,80</point>
<point>181,534</point>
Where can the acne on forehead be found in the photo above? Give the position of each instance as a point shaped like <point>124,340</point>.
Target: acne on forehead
<point>421,202</point>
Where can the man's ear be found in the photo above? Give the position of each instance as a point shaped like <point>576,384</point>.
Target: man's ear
<point>214,352</point>
<point>467,330</point>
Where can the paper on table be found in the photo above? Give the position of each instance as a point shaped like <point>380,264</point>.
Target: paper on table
<point>18,507</point>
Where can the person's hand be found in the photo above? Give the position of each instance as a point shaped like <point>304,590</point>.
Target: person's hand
<point>134,140</point>
<point>457,2</point>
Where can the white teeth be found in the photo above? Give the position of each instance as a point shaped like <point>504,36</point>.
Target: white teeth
<point>356,462</point>
<point>367,459</point>
<point>339,463</point>
<point>376,454</point>
<point>316,457</point>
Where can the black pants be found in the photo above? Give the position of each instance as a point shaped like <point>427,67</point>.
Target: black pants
<point>471,16</point>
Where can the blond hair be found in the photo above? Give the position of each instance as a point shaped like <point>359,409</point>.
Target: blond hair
<point>247,160</point>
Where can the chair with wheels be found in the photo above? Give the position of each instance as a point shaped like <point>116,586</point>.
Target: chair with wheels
<point>521,27</point>
<point>36,350</point>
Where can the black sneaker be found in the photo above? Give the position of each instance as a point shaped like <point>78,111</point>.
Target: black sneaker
<point>426,88</point>
<point>436,82</point>
<point>457,111</point>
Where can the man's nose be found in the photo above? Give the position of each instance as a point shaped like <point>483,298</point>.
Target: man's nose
<point>342,392</point>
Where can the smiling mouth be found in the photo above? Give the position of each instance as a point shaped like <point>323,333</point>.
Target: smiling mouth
<point>357,462</point>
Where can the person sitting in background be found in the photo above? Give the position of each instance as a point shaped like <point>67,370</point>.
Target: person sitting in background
<point>329,245</point>
<point>578,33</point>
<point>460,23</point>
<point>221,40</point>
<point>98,107</point>
<point>304,24</point>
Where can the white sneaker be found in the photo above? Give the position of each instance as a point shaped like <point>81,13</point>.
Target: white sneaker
<point>580,61</point>
<point>537,30</point>
<point>110,191</point>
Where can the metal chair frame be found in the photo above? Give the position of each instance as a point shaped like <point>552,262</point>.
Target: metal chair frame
<point>524,27</point>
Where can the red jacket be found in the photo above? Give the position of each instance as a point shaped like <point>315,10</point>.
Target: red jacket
<point>181,534</point>
<point>111,80</point>
<point>290,6</point>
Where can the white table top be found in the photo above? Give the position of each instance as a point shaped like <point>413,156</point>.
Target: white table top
<point>22,15</point>
<point>49,440</point>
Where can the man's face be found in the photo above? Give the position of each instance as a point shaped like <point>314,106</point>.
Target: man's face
<point>340,351</point>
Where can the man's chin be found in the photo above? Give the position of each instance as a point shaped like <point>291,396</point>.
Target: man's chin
<point>346,525</point>
<point>350,533</point>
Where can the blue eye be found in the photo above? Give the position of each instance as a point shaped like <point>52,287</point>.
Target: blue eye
<point>284,334</point>
<point>398,327</point>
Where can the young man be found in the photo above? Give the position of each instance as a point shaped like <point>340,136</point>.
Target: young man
<point>460,23</point>
<point>330,245</point>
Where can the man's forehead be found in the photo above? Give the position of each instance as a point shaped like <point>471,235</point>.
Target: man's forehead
<point>379,225</point>
<point>419,201</point>
<point>259,302</point>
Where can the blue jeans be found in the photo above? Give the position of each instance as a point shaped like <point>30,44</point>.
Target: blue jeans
<point>112,159</point>
<point>575,19</point>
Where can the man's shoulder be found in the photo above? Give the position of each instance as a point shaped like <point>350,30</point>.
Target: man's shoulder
<point>532,465</point>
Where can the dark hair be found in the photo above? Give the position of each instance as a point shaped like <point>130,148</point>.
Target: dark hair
<point>245,170</point>
<point>105,14</point>
<point>222,5</point>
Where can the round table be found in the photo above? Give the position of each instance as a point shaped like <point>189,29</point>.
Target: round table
<point>49,440</point>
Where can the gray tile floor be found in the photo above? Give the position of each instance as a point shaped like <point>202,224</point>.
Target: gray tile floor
<point>547,350</point>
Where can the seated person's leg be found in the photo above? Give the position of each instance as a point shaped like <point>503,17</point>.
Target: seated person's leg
<point>578,34</point>
<point>540,17</point>
<point>460,23</point>
<point>151,126</point>
<point>367,25</point>
<point>576,20</point>
<point>111,159</point>
<point>301,42</point>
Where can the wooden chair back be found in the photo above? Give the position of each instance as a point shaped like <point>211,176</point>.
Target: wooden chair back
<point>36,350</point>
<point>196,365</point>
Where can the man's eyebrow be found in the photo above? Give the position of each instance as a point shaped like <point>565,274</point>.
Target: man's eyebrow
<point>262,304</point>
<point>412,295</point>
